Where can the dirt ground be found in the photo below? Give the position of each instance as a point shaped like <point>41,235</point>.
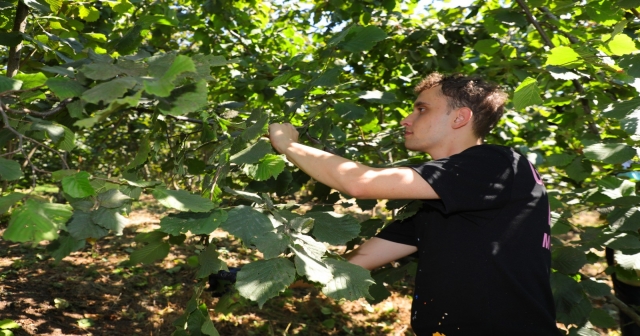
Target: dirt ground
<point>94,292</point>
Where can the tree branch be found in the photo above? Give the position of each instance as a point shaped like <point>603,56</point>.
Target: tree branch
<point>635,12</point>
<point>10,92</point>
<point>633,315</point>
<point>41,114</point>
<point>583,99</point>
<point>19,26</point>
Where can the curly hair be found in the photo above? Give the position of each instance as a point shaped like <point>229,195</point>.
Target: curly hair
<point>486,100</point>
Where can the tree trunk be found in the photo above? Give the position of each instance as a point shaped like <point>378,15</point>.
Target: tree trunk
<point>19,25</point>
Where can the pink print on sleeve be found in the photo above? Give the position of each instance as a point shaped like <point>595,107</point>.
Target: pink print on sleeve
<point>536,176</point>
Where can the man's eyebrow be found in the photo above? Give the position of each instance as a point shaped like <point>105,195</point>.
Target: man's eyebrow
<point>419,103</point>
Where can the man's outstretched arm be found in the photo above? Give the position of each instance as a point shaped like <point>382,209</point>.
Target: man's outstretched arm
<point>376,252</point>
<point>352,178</point>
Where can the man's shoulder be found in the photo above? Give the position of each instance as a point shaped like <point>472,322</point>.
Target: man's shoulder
<point>490,152</point>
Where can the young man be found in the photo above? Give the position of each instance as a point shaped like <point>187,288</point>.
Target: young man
<point>482,234</point>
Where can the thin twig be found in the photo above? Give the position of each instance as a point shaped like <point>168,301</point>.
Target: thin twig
<point>41,114</point>
<point>635,12</point>
<point>10,92</point>
<point>624,308</point>
<point>583,99</point>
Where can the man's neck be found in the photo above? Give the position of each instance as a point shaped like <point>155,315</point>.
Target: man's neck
<point>454,147</point>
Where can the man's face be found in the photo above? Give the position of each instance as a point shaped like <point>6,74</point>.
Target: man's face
<point>427,127</point>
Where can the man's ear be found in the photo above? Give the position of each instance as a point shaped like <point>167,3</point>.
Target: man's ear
<point>462,117</point>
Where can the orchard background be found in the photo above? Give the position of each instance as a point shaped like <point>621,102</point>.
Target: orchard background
<point>104,103</point>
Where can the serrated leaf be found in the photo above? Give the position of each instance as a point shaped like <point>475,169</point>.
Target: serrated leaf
<point>54,131</point>
<point>301,224</point>
<point>333,228</point>
<point>339,37</point>
<point>113,198</point>
<point>253,153</point>
<point>67,245</point>
<point>562,56</point>
<point>68,140</point>
<point>197,223</point>
<point>256,129</point>
<point>78,185</point>
<point>109,91</point>
<point>31,80</point>
<point>58,175</point>
<point>253,197</point>
<point>621,109</point>
<point>150,253</point>
<point>379,97</point>
<point>10,170</point>
<point>602,319</point>
<point>209,262</point>
<point>283,78</point>
<point>246,223</point>
<point>594,288</point>
<point>82,227</point>
<point>8,84</point>
<point>272,244</point>
<point>350,111</point>
<point>624,241</point>
<point>579,169</point>
<point>526,94</point>
<point>487,47</point>
<point>264,279</point>
<point>182,200</point>
<point>329,78</point>
<point>269,166</point>
<point>209,329</point>
<point>560,160</point>
<point>364,39</point>
<point>150,237</point>
<point>142,154</point>
<point>610,152</point>
<point>572,304</point>
<point>109,219</point>
<point>567,260</point>
<point>631,65</point>
<point>7,201</point>
<point>621,44</point>
<point>349,281</point>
<point>35,222</point>
<point>313,268</point>
<point>186,99</point>
<point>100,71</point>
<point>88,14</point>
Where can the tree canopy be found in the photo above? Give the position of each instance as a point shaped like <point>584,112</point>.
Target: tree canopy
<point>104,101</point>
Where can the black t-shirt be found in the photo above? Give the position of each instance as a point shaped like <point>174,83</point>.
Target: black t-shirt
<point>484,257</point>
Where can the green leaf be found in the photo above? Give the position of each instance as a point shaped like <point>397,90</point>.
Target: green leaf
<point>109,91</point>
<point>350,111</point>
<point>247,223</point>
<point>256,129</point>
<point>9,200</point>
<point>76,110</point>
<point>572,304</point>
<point>329,78</point>
<point>364,39</point>
<point>54,131</point>
<point>100,71</point>
<point>378,97</point>
<point>142,154</point>
<point>284,78</point>
<point>8,84</point>
<point>562,56</point>
<point>197,223</point>
<point>150,253</point>
<point>150,237</point>
<point>349,281</point>
<point>109,219</point>
<point>11,39</point>
<point>621,44</point>
<point>334,228</point>
<point>269,166</point>
<point>602,319</point>
<point>253,153</point>
<point>68,141</point>
<point>35,222</point>
<point>621,109</point>
<point>264,279</point>
<point>313,268</point>
<point>209,329</point>
<point>78,185</point>
<point>10,170</point>
<point>388,276</point>
<point>579,169</point>
<point>567,260</point>
<point>624,241</point>
<point>209,262</point>
<point>8,324</point>
<point>560,160</point>
<point>631,65</point>
<point>186,99</point>
<point>130,41</point>
<point>113,198</point>
<point>526,94</point>
<point>182,200</point>
<point>487,47</point>
<point>271,244</point>
<point>595,288</point>
<point>66,245</point>
<point>88,14</point>
<point>82,227</point>
<point>610,152</point>
<point>30,81</point>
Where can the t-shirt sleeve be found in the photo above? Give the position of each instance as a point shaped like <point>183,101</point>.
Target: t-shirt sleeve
<point>473,180</point>
<point>401,231</point>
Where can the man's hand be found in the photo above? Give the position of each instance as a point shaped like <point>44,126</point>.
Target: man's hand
<point>282,135</point>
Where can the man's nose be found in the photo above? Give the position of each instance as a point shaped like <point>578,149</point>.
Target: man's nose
<point>406,121</point>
